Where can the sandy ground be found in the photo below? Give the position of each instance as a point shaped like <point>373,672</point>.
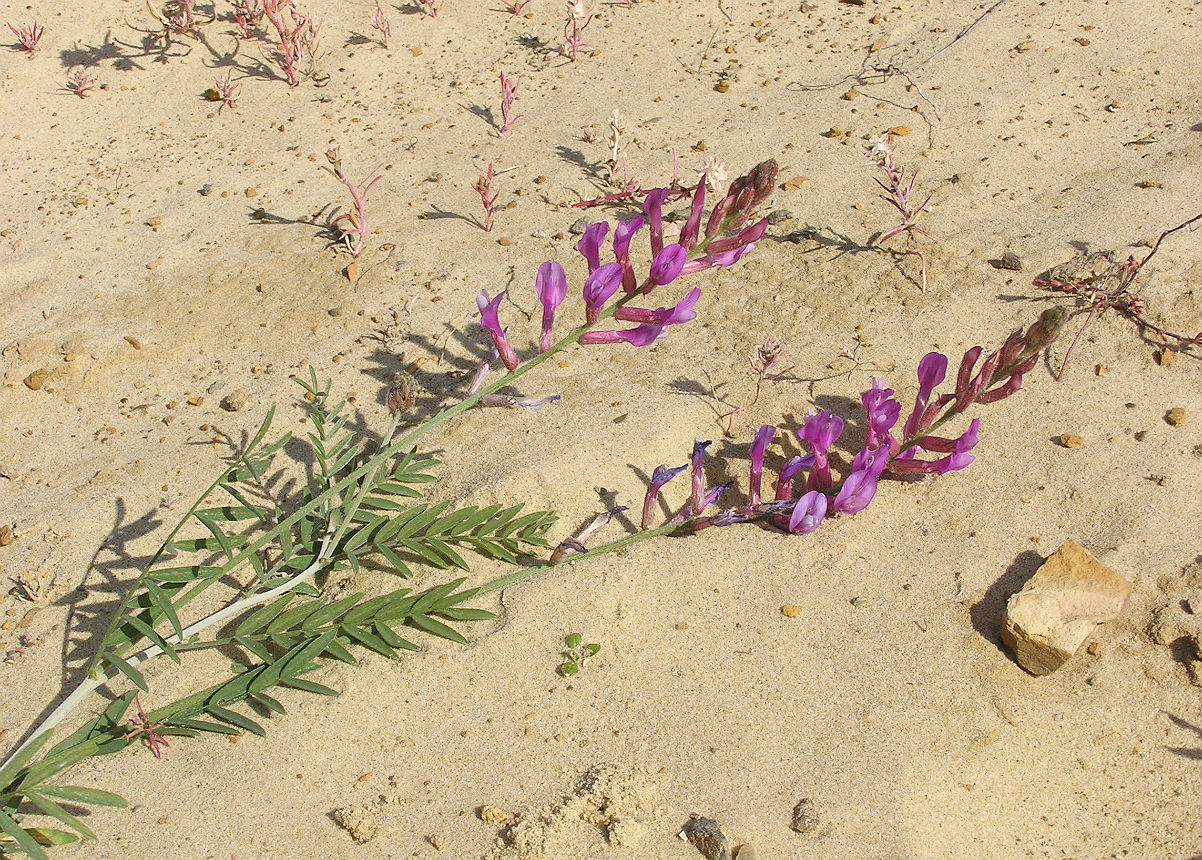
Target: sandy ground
<point>155,253</point>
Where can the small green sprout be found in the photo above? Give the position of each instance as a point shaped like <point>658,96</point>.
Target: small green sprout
<point>577,654</point>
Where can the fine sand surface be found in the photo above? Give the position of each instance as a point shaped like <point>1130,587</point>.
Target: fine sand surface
<point>156,254</point>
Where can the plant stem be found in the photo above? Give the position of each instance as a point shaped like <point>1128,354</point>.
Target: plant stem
<point>365,473</point>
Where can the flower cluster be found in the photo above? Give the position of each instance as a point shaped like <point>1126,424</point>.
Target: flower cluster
<point>725,239</point>
<point>997,377</point>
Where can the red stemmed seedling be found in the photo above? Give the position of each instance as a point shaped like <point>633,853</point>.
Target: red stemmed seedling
<point>356,231</point>
<point>898,188</point>
<point>488,199</point>
<point>142,727</point>
<point>27,37</point>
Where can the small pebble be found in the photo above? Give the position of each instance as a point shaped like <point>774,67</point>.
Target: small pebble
<point>252,192</point>
<point>154,223</point>
<point>490,814</point>
<point>205,190</point>
<point>850,95</point>
<point>6,535</point>
<point>1009,261</point>
<point>1164,356</point>
<point>805,816</point>
<point>1175,416</point>
<point>133,341</point>
<point>351,272</point>
<point>794,183</point>
<point>900,131</point>
<point>746,852</point>
<point>790,610</point>
<point>578,227</point>
<point>779,215</point>
<point>195,401</point>
<point>36,380</point>
<point>235,401</point>
<point>706,836</point>
<point>1148,183</point>
<point>1070,440</point>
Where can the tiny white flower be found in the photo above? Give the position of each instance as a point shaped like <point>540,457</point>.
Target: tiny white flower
<point>714,171</point>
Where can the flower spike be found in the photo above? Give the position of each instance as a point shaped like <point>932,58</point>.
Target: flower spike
<point>489,320</point>
<point>590,243</point>
<point>551,285</point>
<point>659,477</point>
<point>599,288</point>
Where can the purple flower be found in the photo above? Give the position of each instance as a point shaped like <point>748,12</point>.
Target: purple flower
<point>653,205</point>
<point>820,431</point>
<point>759,446</point>
<point>872,460</point>
<point>643,335</point>
<point>883,412</point>
<point>489,320</point>
<point>682,312</point>
<point>623,233</point>
<point>808,513</point>
<point>666,266</point>
<point>855,494</point>
<point>747,236</point>
<point>698,476</point>
<point>551,285</point>
<point>599,288</point>
<point>659,477</point>
<point>590,243</point>
<point>713,493</point>
<point>784,478</point>
<point>726,259</point>
<point>956,449</point>
<point>688,233</point>
<point>931,371</point>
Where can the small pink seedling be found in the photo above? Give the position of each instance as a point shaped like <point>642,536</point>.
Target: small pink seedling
<point>227,90</point>
<point>354,234</point>
<point>515,7</point>
<point>27,37</point>
<point>509,90</point>
<point>429,8</point>
<point>379,22</point>
<point>579,17</point>
<point>80,82</point>
<point>483,187</point>
<point>248,14</point>
<point>298,37</point>
<point>768,363</point>
<point>141,726</point>
<point>898,188</point>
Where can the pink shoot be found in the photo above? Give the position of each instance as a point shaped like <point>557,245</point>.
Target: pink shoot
<point>27,37</point>
<point>80,82</point>
<point>379,22</point>
<point>141,726</point>
<point>248,14</point>
<point>768,363</point>
<point>483,187</point>
<point>227,90</point>
<point>356,232</point>
<point>298,37</point>
<point>898,189</point>
<point>509,90</point>
<point>515,7</point>
<point>578,18</point>
<point>429,8</point>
